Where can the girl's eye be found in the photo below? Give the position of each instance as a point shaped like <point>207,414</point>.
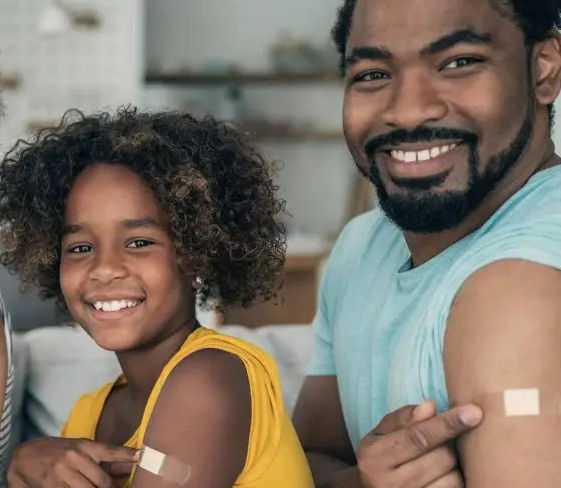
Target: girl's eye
<point>80,249</point>
<point>138,243</point>
<point>461,62</point>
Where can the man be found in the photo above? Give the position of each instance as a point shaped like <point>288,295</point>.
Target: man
<point>449,293</point>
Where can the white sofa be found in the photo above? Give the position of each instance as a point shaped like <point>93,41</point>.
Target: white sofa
<point>54,365</point>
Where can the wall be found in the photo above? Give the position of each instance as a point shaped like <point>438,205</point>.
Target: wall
<point>90,70</point>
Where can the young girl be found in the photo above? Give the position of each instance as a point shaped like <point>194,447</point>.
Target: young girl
<point>126,219</point>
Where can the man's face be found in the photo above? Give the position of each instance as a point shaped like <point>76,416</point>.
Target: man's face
<point>438,105</point>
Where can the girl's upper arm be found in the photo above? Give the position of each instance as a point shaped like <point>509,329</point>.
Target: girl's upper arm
<point>202,419</point>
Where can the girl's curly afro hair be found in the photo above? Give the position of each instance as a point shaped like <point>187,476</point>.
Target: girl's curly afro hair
<point>217,190</point>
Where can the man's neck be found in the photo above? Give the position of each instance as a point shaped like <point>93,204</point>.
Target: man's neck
<point>424,247</point>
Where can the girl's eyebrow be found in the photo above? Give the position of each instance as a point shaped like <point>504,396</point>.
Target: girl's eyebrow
<point>71,229</point>
<point>146,222</point>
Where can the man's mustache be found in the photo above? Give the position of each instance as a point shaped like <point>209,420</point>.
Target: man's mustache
<point>420,134</point>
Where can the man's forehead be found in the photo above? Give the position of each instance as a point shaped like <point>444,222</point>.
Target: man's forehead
<point>419,22</point>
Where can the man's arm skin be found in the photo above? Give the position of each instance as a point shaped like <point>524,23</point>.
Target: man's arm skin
<point>409,447</point>
<point>504,332</point>
<point>319,422</point>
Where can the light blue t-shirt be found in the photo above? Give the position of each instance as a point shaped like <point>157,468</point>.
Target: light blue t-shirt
<point>380,324</point>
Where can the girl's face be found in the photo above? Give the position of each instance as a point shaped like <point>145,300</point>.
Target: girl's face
<point>119,272</point>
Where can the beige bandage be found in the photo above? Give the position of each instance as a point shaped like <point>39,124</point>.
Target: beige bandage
<point>521,402</point>
<point>167,467</point>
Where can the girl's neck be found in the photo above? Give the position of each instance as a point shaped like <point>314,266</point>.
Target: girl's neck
<point>142,367</point>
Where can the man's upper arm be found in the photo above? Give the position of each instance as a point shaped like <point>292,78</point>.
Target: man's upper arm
<point>504,332</point>
<point>318,419</point>
<point>202,418</point>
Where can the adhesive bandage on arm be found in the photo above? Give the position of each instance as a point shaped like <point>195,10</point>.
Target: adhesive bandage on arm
<point>164,466</point>
<point>522,402</point>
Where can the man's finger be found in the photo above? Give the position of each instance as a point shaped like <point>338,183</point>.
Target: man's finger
<point>404,417</point>
<point>451,480</point>
<point>426,469</point>
<point>410,443</point>
<point>100,452</point>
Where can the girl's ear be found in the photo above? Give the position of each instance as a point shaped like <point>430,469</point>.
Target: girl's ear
<point>197,283</point>
<point>185,265</point>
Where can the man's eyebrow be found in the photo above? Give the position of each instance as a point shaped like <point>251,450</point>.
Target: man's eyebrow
<point>463,36</point>
<point>367,52</point>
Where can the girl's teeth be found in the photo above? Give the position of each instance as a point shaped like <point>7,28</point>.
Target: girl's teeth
<point>115,305</point>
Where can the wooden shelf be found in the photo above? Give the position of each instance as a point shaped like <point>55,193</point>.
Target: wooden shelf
<point>189,78</point>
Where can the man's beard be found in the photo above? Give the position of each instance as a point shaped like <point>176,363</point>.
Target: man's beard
<point>424,211</point>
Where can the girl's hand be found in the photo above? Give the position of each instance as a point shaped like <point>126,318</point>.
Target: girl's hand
<point>56,462</point>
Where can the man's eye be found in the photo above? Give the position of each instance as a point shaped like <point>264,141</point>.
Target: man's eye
<point>371,76</point>
<point>461,62</point>
<point>80,249</point>
<point>138,243</point>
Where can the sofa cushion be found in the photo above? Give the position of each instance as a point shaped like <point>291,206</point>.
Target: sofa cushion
<point>64,363</point>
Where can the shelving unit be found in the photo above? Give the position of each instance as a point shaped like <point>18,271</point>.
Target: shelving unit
<point>286,134</point>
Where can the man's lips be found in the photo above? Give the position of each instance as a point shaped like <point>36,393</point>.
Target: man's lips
<point>426,163</point>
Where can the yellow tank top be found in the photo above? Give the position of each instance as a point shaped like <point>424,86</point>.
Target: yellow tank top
<point>274,457</point>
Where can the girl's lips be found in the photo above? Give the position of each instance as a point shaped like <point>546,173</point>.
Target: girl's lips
<point>102,315</point>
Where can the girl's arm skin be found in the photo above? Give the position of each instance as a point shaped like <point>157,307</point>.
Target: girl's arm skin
<point>202,418</point>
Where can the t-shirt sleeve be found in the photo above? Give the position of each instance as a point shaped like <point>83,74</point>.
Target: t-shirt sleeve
<point>323,362</point>
<point>323,359</point>
<point>539,243</point>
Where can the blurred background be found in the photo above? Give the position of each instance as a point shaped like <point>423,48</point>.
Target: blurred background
<point>267,65</point>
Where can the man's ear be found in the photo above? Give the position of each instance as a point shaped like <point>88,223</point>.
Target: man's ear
<point>547,69</point>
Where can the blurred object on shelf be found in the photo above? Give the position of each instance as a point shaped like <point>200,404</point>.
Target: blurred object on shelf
<point>9,82</point>
<point>232,105</point>
<point>297,55</point>
<point>60,17</point>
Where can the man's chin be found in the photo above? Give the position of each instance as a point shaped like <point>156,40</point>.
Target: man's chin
<point>435,213</point>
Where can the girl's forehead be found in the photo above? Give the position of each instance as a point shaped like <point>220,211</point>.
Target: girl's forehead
<point>111,191</point>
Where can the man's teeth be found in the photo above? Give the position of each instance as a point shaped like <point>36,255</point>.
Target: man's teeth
<point>115,305</point>
<point>425,155</point>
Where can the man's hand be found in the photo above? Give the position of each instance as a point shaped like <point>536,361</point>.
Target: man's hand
<point>410,448</point>
<point>54,462</point>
